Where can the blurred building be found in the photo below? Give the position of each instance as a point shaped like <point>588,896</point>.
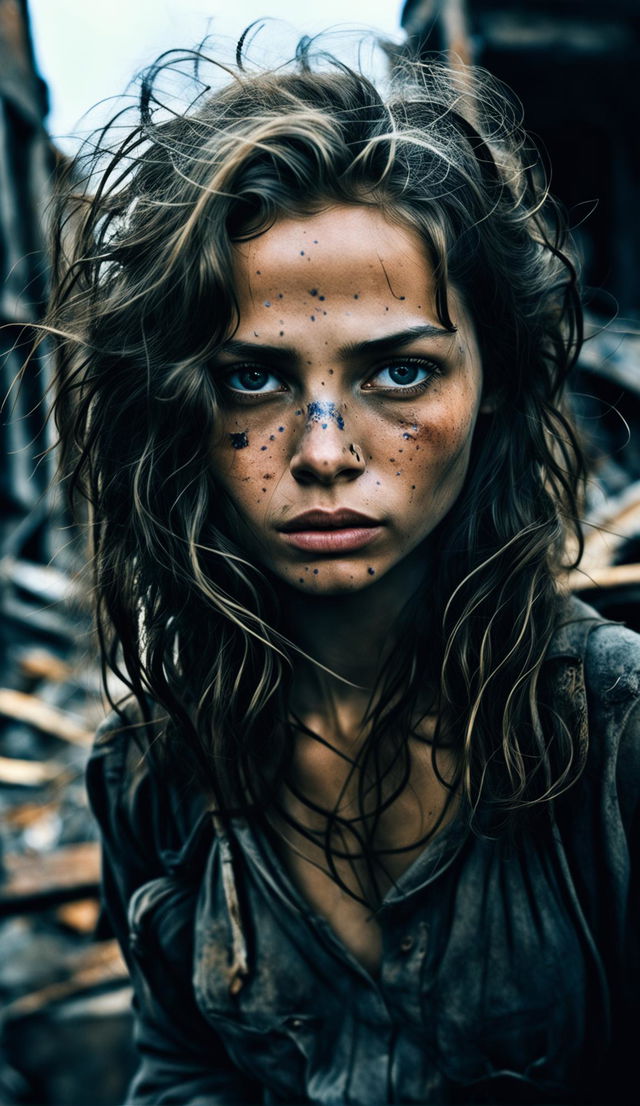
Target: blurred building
<point>26,165</point>
<point>574,65</point>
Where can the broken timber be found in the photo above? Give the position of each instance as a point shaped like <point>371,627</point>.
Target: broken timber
<point>49,879</point>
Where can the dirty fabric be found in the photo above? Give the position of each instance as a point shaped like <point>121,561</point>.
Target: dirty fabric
<point>509,972</point>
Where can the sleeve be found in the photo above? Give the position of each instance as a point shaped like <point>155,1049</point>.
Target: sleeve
<point>628,787</point>
<point>182,1059</point>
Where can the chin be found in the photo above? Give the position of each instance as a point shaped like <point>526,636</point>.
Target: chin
<point>326,579</point>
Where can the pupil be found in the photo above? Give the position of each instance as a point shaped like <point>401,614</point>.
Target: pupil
<point>254,379</point>
<point>403,374</point>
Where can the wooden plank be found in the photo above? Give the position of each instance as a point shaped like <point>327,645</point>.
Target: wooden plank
<point>604,576</point>
<point>28,773</point>
<point>100,965</point>
<point>49,879</point>
<point>81,916</point>
<point>21,707</point>
<point>41,664</point>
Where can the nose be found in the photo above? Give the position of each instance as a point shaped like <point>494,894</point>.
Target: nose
<point>324,452</point>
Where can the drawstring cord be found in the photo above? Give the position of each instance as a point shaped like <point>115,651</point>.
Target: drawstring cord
<point>239,969</point>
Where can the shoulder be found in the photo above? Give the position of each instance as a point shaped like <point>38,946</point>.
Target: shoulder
<point>607,655</point>
<point>608,652</point>
<point>135,798</point>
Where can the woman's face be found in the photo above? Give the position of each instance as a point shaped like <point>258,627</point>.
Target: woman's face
<point>349,411</point>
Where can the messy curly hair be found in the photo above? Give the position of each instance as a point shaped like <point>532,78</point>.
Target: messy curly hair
<point>141,304</point>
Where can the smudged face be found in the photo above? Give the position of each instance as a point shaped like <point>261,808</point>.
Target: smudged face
<point>348,411</point>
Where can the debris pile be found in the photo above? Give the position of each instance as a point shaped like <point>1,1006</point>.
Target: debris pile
<point>65,997</point>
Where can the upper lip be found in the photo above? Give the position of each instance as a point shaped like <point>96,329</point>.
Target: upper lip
<point>327,520</point>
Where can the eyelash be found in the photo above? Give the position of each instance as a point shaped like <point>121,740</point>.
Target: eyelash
<point>433,368</point>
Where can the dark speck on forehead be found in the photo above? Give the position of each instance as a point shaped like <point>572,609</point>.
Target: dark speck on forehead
<point>313,318</point>
<point>313,291</point>
<point>321,297</point>
<point>356,296</point>
<point>301,253</point>
<point>267,303</point>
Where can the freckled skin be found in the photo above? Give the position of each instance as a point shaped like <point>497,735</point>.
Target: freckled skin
<point>362,258</point>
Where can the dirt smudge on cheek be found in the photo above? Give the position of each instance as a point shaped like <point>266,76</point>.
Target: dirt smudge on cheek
<point>239,440</point>
<point>410,429</point>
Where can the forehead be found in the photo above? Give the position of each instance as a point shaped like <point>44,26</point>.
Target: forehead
<point>347,270</point>
<point>352,247</point>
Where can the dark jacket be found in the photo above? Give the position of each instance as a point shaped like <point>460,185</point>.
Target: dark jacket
<point>510,971</point>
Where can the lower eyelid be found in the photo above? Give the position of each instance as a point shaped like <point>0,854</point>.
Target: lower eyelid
<point>411,389</point>
<point>249,391</point>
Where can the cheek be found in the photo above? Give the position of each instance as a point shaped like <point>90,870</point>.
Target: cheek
<point>248,463</point>
<point>435,451</point>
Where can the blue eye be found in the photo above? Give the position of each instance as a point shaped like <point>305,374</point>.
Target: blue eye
<point>254,380</point>
<point>404,374</point>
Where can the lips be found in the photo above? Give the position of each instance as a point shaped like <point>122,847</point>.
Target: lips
<point>341,531</point>
<point>328,520</point>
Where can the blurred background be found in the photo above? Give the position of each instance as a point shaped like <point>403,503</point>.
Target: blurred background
<point>65,1021</point>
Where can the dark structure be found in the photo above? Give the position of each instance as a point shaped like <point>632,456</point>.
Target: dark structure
<point>26,164</point>
<point>574,65</point>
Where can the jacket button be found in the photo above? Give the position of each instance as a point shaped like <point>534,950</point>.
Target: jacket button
<point>406,944</point>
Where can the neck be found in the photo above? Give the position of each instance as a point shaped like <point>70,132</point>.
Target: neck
<point>350,634</point>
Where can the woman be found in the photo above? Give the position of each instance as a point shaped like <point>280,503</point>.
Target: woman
<point>368,815</point>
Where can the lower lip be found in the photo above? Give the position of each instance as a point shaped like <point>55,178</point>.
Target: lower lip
<point>332,541</point>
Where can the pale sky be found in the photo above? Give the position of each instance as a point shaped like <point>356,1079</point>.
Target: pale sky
<point>88,50</point>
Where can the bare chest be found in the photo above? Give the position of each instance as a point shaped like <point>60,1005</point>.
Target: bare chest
<point>345,890</point>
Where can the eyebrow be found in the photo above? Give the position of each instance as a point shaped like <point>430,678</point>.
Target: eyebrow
<point>397,340</point>
<point>352,350</point>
